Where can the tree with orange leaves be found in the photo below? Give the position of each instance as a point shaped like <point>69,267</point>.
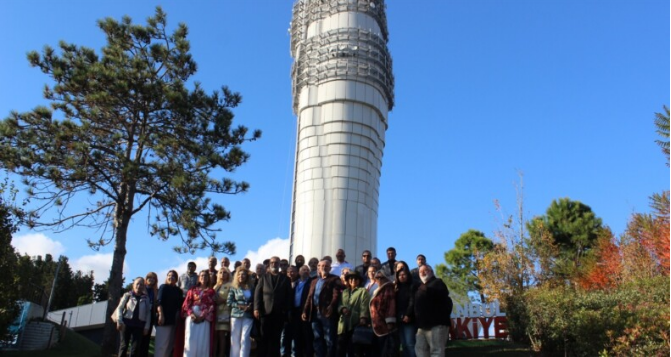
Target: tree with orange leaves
<point>643,250</point>
<point>604,266</point>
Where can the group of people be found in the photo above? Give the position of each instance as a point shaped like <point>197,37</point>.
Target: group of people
<point>323,308</point>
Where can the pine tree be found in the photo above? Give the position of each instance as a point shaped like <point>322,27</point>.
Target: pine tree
<point>573,228</point>
<point>133,137</point>
<point>9,295</point>
<point>462,260</point>
<point>662,124</point>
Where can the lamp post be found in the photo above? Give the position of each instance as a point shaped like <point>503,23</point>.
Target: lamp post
<point>53,286</point>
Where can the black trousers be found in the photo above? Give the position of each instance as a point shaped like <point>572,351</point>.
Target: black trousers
<point>270,332</point>
<point>132,336</point>
<point>301,334</point>
<point>144,343</point>
<point>347,348</point>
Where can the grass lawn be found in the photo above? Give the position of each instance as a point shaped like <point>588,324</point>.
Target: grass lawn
<point>477,348</point>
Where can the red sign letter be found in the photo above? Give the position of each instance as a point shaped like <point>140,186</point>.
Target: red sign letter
<point>500,327</point>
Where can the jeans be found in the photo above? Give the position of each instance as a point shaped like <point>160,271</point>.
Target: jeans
<point>287,348</point>
<point>325,332</point>
<point>407,334</point>
<point>431,342</point>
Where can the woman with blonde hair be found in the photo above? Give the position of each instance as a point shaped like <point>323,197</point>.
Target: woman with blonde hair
<point>134,317</point>
<point>241,300</point>
<point>223,328</point>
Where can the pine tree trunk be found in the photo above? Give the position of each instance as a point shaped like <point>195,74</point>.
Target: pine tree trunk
<point>109,345</point>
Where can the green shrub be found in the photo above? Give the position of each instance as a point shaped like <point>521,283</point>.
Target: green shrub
<point>518,318</point>
<point>632,320</point>
<point>646,331</point>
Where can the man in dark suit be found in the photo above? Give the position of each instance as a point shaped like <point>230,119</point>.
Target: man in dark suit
<point>321,309</point>
<point>288,332</point>
<point>272,300</point>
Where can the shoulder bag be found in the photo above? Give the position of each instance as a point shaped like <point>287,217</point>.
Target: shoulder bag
<point>363,335</point>
<point>124,301</point>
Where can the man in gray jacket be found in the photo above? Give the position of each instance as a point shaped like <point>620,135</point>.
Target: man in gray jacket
<point>272,301</point>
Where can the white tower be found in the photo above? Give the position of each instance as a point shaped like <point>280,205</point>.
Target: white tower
<point>343,88</point>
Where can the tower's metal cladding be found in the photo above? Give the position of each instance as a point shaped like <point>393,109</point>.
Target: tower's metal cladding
<point>343,89</point>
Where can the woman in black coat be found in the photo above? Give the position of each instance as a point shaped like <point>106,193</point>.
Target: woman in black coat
<point>405,292</point>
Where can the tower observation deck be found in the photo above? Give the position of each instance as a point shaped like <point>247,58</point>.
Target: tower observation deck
<point>343,89</point>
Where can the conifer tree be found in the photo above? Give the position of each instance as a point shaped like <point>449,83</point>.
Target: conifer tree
<point>9,295</point>
<point>462,260</point>
<point>573,227</point>
<point>134,133</point>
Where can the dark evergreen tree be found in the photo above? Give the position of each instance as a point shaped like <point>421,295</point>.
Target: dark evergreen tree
<point>9,295</point>
<point>563,236</point>
<point>462,261</point>
<point>29,281</point>
<point>35,278</point>
<point>132,136</point>
<point>82,288</point>
<point>101,291</point>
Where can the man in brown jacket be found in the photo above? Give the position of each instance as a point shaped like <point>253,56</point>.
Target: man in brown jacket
<point>321,309</point>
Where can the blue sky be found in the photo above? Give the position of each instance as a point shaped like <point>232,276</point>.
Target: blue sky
<point>563,91</point>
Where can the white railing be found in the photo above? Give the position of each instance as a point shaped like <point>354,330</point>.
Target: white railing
<point>82,317</point>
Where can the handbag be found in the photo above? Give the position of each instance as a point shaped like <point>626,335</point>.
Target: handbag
<point>225,316</point>
<point>363,335</point>
<point>115,314</point>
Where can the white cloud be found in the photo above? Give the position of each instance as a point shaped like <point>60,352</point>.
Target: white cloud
<point>37,244</point>
<point>275,246</point>
<point>201,263</point>
<point>99,263</point>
